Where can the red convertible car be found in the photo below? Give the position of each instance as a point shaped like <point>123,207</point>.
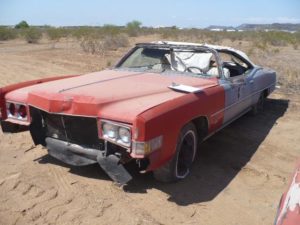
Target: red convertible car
<point>155,106</point>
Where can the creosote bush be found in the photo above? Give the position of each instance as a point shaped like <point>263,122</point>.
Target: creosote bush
<point>32,35</point>
<point>99,45</point>
<point>133,28</point>
<point>7,34</point>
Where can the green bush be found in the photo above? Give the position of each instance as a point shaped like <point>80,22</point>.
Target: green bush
<point>7,34</point>
<point>82,32</point>
<point>110,29</point>
<point>133,28</point>
<point>23,24</point>
<point>55,34</point>
<point>32,35</point>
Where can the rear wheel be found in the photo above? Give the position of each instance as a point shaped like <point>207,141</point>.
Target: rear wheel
<point>179,165</point>
<point>259,106</point>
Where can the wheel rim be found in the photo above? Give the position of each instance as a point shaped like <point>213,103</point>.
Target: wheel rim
<point>186,154</point>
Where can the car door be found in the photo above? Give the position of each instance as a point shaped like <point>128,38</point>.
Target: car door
<point>238,88</point>
<point>234,93</point>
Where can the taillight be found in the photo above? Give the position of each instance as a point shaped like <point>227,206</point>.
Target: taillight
<point>12,109</point>
<point>22,111</point>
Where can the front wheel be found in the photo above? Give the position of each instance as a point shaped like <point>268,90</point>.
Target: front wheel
<point>179,165</point>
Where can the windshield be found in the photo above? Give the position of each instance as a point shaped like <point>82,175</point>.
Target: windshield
<point>164,59</point>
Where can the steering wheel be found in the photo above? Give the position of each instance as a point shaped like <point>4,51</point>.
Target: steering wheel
<point>189,69</point>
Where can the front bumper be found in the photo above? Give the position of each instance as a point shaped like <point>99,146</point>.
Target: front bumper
<point>78,155</point>
<point>72,154</point>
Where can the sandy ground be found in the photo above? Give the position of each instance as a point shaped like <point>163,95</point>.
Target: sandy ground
<point>238,177</point>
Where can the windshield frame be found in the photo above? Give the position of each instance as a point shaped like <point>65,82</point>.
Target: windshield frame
<point>171,47</point>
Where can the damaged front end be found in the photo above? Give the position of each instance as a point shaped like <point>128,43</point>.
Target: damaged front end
<point>75,141</point>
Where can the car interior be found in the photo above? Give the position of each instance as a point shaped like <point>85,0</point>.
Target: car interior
<point>235,65</point>
<point>198,63</point>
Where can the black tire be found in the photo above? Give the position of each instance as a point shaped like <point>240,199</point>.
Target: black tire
<point>179,165</point>
<point>259,106</point>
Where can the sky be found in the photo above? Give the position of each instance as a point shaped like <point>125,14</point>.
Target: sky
<point>185,13</point>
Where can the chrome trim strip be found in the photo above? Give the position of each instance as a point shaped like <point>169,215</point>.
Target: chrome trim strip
<point>227,123</point>
<point>240,100</point>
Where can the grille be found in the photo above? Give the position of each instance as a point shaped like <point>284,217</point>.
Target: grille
<point>74,129</point>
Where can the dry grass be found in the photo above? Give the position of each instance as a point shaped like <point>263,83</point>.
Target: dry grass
<point>100,45</point>
<point>276,50</point>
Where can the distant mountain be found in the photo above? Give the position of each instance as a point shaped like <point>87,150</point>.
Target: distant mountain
<point>273,26</point>
<point>216,27</point>
<point>250,27</point>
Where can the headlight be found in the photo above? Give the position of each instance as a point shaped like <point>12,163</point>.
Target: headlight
<point>11,109</point>
<point>124,134</point>
<point>16,111</point>
<point>116,132</point>
<point>109,130</point>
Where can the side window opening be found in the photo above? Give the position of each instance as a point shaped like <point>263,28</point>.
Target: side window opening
<point>233,64</point>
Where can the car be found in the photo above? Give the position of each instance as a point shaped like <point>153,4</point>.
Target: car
<point>154,107</point>
<point>289,205</point>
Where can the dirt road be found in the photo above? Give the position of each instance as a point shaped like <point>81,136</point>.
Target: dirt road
<point>238,176</point>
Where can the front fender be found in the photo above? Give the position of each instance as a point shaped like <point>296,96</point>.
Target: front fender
<point>169,118</point>
<point>8,126</point>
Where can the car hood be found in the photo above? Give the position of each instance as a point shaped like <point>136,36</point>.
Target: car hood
<point>110,94</point>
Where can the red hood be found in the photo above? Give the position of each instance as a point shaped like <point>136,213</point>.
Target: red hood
<point>110,94</point>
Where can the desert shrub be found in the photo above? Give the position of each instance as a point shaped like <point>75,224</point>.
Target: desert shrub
<point>90,45</point>
<point>96,45</point>
<point>32,35</point>
<point>55,34</point>
<point>80,32</point>
<point>295,46</point>
<point>133,28</point>
<point>22,25</point>
<point>262,45</point>
<point>115,42</point>
<point>7,34</point>
<point>167,33</point>
<point>84,32</point>
<point>289,79</point>
<point>110,29</point>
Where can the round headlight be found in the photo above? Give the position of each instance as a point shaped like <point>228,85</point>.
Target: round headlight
<point>12,109</point>
<point>124,135</point>
<point>109,130</point>
<point>22,111</point>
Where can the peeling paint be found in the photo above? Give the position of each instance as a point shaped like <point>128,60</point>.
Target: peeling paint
<point>291,204</point>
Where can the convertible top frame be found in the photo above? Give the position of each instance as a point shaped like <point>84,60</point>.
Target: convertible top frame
<point>172,47</point>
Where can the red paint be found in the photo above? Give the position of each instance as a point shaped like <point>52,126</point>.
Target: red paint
<point>140,99</point>
<point>9,88</point>
<point>287,215</point>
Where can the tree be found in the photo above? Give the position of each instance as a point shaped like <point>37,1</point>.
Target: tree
<point>133,28</point>
<point>22,24</point>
